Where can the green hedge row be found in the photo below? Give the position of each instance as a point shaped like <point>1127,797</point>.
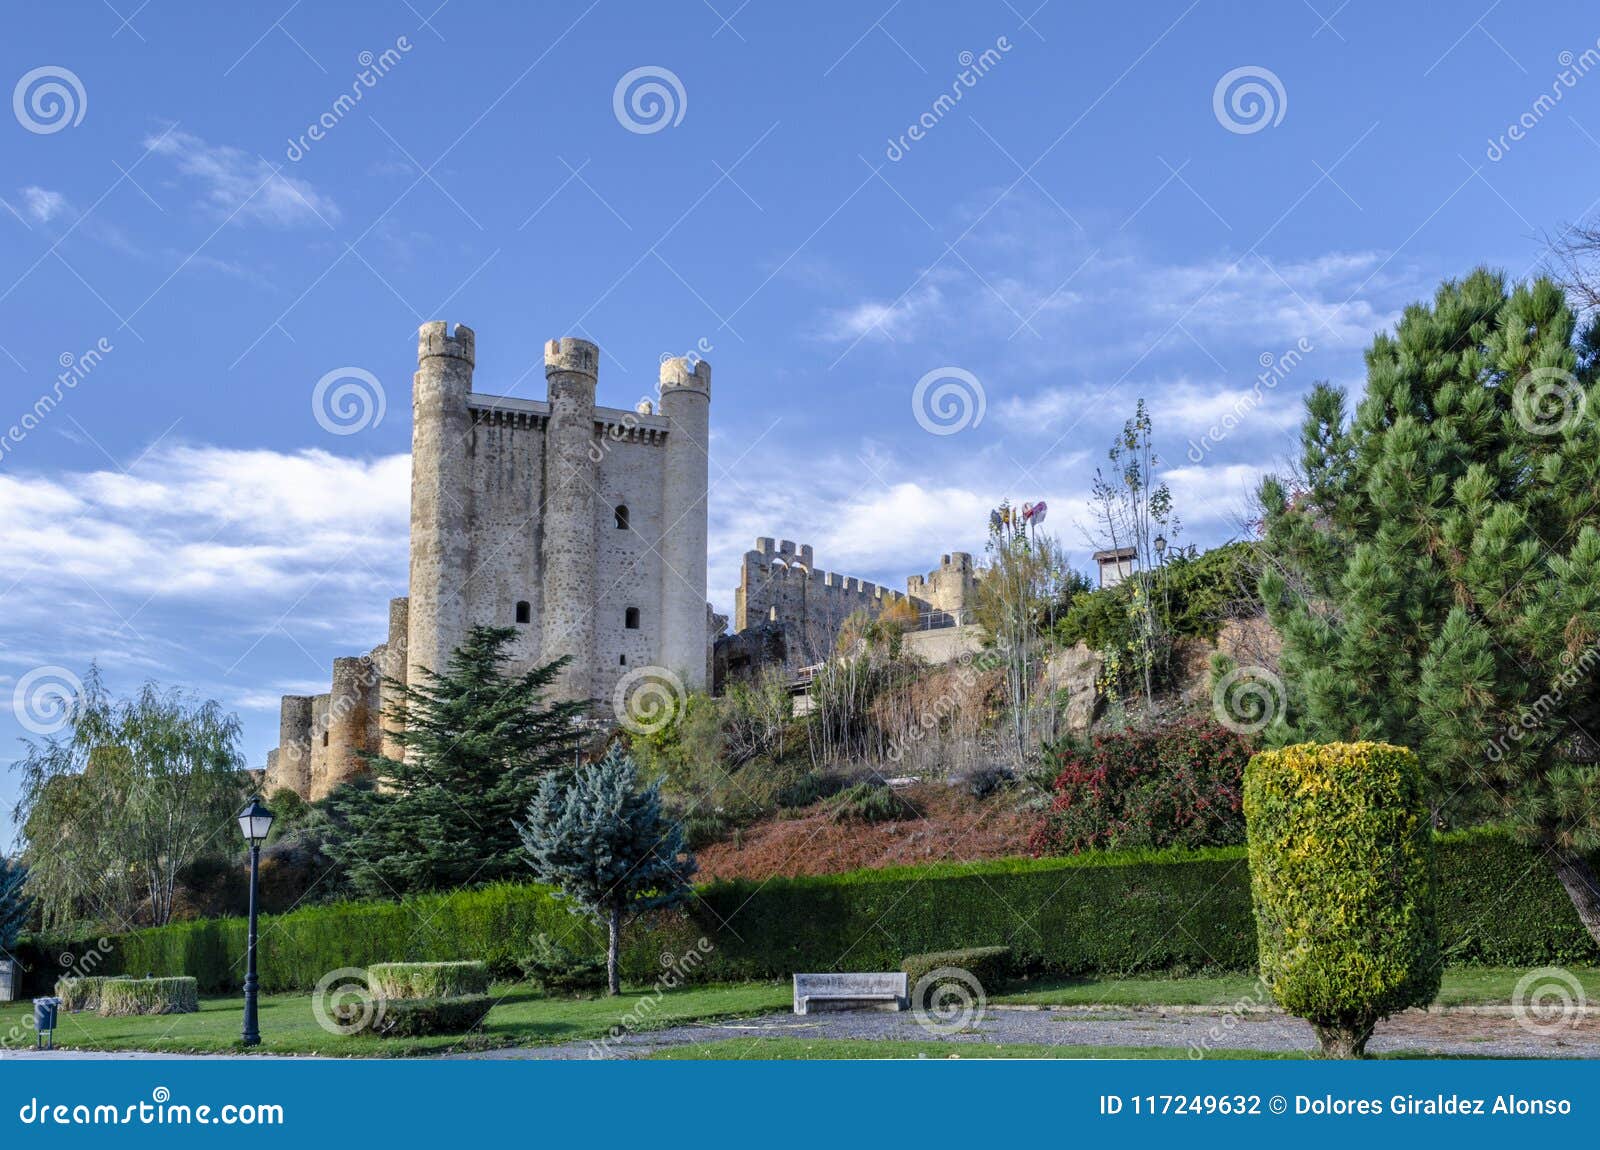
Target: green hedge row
<point>1108,913</point>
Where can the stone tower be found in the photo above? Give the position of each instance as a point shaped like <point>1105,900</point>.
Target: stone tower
<point>571,367</point>
<point>441,431</point>
<point>686,402</point>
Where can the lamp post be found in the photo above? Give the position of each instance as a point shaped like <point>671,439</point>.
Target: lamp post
<point>255,821</point>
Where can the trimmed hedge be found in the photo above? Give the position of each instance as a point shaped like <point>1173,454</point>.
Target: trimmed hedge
<point>399,980</point>
<point>122,996</point>
<point>1118,913</point>
<point>990,965</point>
<point>417,1017</point>
<point>79,993</point>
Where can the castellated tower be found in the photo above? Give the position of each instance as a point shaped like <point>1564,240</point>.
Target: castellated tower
<point>581,528</point>
<point>571,367</point>
<point>686,403</point>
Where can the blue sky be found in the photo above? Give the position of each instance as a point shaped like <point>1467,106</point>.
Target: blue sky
<point>1093,221</point>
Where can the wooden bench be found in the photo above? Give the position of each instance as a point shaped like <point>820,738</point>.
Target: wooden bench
<point>886,991</point>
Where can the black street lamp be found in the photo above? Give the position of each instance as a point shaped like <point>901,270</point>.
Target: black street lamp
<point>255,821</point>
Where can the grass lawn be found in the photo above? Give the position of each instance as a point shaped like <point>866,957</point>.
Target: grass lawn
<point>791,1049</point>
<point>523,1017</point>
<point>1463,986</point>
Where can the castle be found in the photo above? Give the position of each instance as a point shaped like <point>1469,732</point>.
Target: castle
<point>582,527</point>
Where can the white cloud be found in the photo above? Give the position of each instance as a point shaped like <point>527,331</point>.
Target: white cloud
<point>245,188</point>
<point>43,204</point>
<point>247,535</point>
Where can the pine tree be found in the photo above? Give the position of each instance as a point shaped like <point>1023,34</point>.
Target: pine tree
<point>14,905</point>
<point>607,847</point>
<point>1435,567</point>
<point>477,742</point>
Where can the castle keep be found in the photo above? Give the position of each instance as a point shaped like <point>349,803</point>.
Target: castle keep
<point>582,527</point>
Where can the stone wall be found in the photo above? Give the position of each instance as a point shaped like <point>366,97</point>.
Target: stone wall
<point>779,583</point>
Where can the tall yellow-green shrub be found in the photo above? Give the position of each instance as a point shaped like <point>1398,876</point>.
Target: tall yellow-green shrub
<point>1342,883</point>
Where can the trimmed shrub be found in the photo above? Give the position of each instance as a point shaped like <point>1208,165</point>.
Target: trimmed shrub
<point>79,993</point>
<point>555,967</point>
<point>416,1017</point>
<point>122,996</point>
<point>871,802</point>
<point>990,965</point>
<point>1093,913</point>
<point>393,980</point>
<point>1174,785</point>
<point>1342,880</point>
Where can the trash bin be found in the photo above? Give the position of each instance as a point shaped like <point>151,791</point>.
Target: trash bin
<point>44,1020</point>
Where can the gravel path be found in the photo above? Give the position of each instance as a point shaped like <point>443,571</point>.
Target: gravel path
<point>1188,1033</point>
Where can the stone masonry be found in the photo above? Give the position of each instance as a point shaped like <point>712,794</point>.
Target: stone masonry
<point>582,527</point>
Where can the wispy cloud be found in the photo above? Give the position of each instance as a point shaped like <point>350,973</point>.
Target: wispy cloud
<point>42,204</point>
<point>245,188</point>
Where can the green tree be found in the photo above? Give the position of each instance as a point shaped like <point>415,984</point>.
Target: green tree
<point>1435,567</point>
<point>14,904</point>
<point>607,847</point>
<point>477,742</point>
<point>127,795</point>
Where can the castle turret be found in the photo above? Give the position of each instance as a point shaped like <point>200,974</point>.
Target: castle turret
<point>568,618</point>
<point>294,745</point>
<point>347,725</point>
<point>441,428</point>
<point>686,402</point>
<point>394,675</point>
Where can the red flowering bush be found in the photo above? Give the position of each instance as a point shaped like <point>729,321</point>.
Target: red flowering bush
<point>1176,785</point>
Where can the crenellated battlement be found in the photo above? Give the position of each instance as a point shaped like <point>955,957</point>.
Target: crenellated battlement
<point>436,340</point>
<point>573,356</point>
<point>780,583</point>
<point>684,374</point>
